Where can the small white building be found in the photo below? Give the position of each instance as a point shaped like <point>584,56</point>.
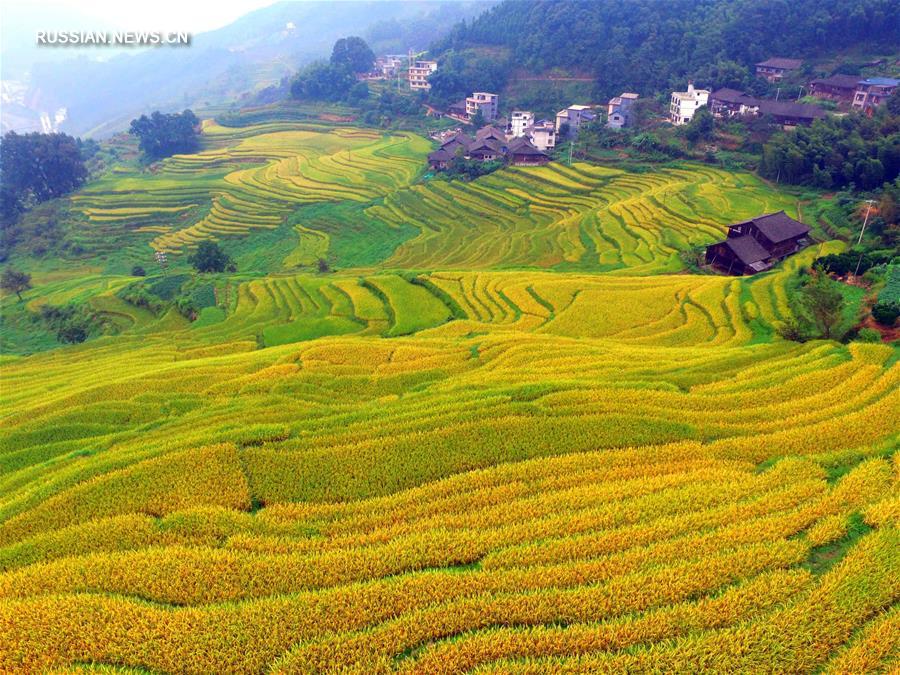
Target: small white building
<point>519,121</point>
<point>389,64</point>
<point>484,102</point>
<point>574,116</point>
<point>622,102</point>
<point>542,135</point>
<point>685,103</point>
<point>419,72</point>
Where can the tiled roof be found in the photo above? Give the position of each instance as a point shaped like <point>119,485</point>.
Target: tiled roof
<point>777,62</point>
<point>731,96</point>
<point>779,227</point>
<point>843,81</point>
<point>522,146</point>
<point>790,109</point>
<point>440,155</point>
<point>746,249</point>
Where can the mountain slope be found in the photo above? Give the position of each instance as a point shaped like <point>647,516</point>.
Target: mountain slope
<point>649,46</point>
<point>255,51</point>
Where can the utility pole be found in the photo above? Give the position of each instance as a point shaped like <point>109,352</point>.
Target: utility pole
<point>800,93</point>
<point>571,147</point>
<point>865,221</point>
<point>859,241</point>
<point>777,93</point>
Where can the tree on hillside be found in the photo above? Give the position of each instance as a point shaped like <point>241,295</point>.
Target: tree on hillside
<point>352,54</point>
<point>358,94</point>
<point>322,82</point>
<point>162,135</point>
<point>37,167</point>
<point>209,257</point>
<point>15,281</point>
<point>701,127</point>
<point>823,303</point>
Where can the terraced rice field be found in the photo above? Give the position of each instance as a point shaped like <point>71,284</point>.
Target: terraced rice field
<point>595,218</point>
<point>478,456</point>
<point>252,179</point>
<point>579,217</point>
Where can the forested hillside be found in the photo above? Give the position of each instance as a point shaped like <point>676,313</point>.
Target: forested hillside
<point>645,45</point>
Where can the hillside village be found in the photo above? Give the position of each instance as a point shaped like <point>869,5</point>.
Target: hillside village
<point>521,139</point>
<point>484,135</point>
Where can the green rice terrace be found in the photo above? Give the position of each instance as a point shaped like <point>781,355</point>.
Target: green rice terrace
<point>506,430</point>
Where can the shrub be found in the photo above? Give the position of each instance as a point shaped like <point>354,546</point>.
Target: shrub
<point>72,333</point>
<point>868,335</point>
<point>886,313</point>
<point>792,330</point>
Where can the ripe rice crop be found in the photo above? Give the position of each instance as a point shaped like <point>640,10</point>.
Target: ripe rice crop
<point>512,436</point>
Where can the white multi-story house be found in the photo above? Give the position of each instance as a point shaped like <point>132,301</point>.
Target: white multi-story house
<point>574,116</point>
<point>542,134</point>
<point>485,103</point>
<point>519,121</point>
<point>685,103</point>
<point>419,72</point>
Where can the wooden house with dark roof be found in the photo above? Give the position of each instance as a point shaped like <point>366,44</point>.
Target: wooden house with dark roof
<point>522,152</point>
<point>490,132</point>
<point>440,159</point>
<point>490,143</point>
<point>457,144</point>
<point>487,149</point>
<point>458,110</point>
<point>727,102</point>
<point>775,68</point>
<point>755,245</point>
<point>835,88</point>
<point>790,113</point>
<point>730,102</point>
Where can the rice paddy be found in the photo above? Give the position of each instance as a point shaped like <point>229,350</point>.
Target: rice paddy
<point>523,440</point>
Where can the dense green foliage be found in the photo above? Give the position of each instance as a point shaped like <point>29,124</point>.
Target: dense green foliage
<point>462,72</point>
<point>823,304</point>
<point>836,152</point>
<point>647,46</point>
<point>37,167</point>
<point>336,80</point>
<point>322,81</point>
<point>353,54</point>
<point>162,135</point>
<point>886,313</point>
<point>701,127</point>
<point>209,257</point>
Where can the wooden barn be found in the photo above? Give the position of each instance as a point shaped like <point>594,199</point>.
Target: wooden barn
<point>755,245</point>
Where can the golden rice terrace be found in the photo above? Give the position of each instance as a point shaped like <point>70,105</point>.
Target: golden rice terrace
<point>507,432</point>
